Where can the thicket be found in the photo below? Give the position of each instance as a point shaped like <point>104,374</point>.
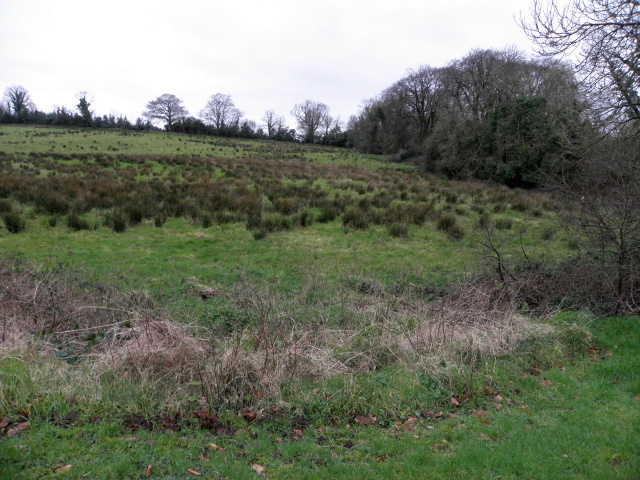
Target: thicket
<point>492,115</point>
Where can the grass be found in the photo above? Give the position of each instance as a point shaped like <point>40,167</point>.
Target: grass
<point>158,279</point>
<point>41,139</point>
<point>575,421</point>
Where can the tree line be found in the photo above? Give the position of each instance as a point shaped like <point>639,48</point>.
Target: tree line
<point>220,117</point>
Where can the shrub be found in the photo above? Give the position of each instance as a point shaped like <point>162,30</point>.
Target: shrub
<point>117,221</point>
<point>224,217</point>
<point>134,213</point>
<point>76,222</point>
<point>5,206</point>
<point>159,220</point>
<point>14,222</point>
<point>206,221</point>
<point>398,230</point>
<point>503,223</point>
<point>484,221</point>
<point>355,218</point>
<point>259,234</point>
<point>448,223</point>
<point>306,218</point>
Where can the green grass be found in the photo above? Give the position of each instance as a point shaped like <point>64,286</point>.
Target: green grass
<point>576,421</point>
<point>349,294</point>
<point>39,139</point>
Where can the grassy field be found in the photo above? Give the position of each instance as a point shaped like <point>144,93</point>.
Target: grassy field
<point>158,288</point>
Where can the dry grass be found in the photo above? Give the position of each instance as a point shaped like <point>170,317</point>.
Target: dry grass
<point>287,337</point>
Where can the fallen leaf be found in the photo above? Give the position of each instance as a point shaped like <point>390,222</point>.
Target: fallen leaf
<point>484,438</point>
<point>296,435</point>
<point>436,447</point>
<point>258,395</point>
<point>147,471</point>
<point>130,439</point>
<point>247,414</point>
<point>64,468</point>
<point>12,432</point>
<point>193,472</point>
<point>546,383</point>
<point>201,414</point>
<point>22,426</point>
<point>486,422</point>
<point>455,402</point>
<point>366,420</point>
<point>203,457</point>
<point>497,398</point>
<point>212,446</point>
<point>258,468</point>
<point>279,441</point>
<point>637,398</point>
<point>5,421</point>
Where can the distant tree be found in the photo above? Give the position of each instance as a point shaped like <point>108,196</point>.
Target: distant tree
<point>83,107</point>
<point>273,122</point>
<point>604,36</point>
<point>309,116</point>
<point>61,116</point>
<point>220,112</point>
<point>19,102</point>
<point>166,108</point>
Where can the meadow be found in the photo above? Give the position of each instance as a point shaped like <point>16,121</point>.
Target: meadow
<point>354,316</point>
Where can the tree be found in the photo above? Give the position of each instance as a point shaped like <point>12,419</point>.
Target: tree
<point>422,91</point>
<point>309,116</point>
<point>83,108</point>
<point>273,122</point>
<point>604,37</point>
<point>221,112</point>
<point>19,102</point>
<point>166,108</point>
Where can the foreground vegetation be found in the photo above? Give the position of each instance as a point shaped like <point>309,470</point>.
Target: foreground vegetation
<point>577,420</point>
<point>343,312</point>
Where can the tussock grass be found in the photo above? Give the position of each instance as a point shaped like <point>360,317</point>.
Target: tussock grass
<point>124,353</point>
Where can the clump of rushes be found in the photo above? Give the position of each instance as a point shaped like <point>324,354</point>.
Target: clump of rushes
<point>448,223</point>
<point>14,222</point>
<point>398,230</point>
<point>355,218</point>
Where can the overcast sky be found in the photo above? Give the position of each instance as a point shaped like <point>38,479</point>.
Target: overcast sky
<point>265,54</point>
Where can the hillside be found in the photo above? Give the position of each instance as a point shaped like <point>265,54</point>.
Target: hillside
<point>174,292</point>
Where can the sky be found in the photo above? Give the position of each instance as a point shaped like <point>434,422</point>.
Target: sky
<point>268,55</point>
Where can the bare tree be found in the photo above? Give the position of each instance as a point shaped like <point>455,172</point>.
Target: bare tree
<point>273,122</point>
<point>18,101</point>
<point>221,112</point>
<point>309,116</point>
<point>422,90</point>
<point>604,37</point>
<point>166,108</point>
